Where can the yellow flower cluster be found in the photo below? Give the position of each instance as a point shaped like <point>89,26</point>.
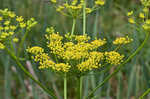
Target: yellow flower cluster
<point>74,8</point>
<point>113,57</point>
<point>45,61</point>
<point>143,15</point>
<point>93,61</point>
<point>10,25</point>
<point>146,3</point>
<point>100,2</point>
<point>146,25</point>
<point>35,50</point>
<point>77,53</point>
<point>122,40</point>
<point>70,50</point>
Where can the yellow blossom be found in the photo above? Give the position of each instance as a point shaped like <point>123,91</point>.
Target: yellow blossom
<point>2,46</point>
<point>60,8</point>
<point>15,40</point>
<point>100,2</point>
<point>53,1</point>
<point>145,9</point>
<point>130,13</point>
<point>148,21</point>
<point>1,28</point>
<point>113,57</point>
<point>74,2</point>
<point>82,38</point>
<point>97,43</point>
<point>62,67</point>
<point>122,40</point>
<point>1,18</point>
<point>12,15</point>
<point>30,23</point>
<point>93,62</point>
<point>141,15</point>
<point>19,18</point>
<point>22,24</point>
<point>6,28</point>
<point>35,50</point>
<point>6,22</point>
<point>131,20</point>
<point>12,27</point>
<point>11,32</point>
<point>88,10</point>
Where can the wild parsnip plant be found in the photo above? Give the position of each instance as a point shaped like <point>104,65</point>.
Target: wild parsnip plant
<point>69,54</point>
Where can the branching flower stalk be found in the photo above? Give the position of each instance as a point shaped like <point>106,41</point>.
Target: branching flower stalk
<point>91,94</point>
<point>146,26</point>
<point>10,27</point>
<point>50,93</point>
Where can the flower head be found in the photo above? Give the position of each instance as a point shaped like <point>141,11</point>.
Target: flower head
<point>122,40</point>
<point>113,57</point>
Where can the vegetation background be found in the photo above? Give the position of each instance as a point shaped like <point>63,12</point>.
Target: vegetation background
<point>109,21</point>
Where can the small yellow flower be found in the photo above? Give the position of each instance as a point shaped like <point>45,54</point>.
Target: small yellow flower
<point>53,1</point>
<point>6,28</point>
<point>2,46</point>
<point>88,10</point>
<point>22,24</point>
<point>148,21</point>
<point>141,15</point>
<point>12,15</point>
<point>35,50</point>
<point>6,22</point>
<point>1,18</point>
<point>122,40</point>
<point>60,8</point>
<point>19,19</point>
<point>11,33</point>
<point>15,40</point>
<point>100,2</point>
<point>130,13</point>
<point>146,27</point>
<point>145,9</point>
<point>74,2</point>
<point>131,20</point>
<point>1,28</point>
<point>12,27</point>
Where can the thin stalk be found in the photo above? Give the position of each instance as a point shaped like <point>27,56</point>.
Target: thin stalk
<point>145,93</point>
<point>22,41</point>
<point>80,87</point>
<point>119,68</point>
<point>73,26</point>
<point>29,75</point>
<point>65,86</point>
<point>84,17</point>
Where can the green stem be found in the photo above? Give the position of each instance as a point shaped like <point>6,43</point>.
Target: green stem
<point>65,86</point>
<point>80,87</point>
<point>84,18</point>
<point>22,41</point>
<point>73,26</point>
<point>119,67</point>
<point>145,93</point>
<point>29,75</point>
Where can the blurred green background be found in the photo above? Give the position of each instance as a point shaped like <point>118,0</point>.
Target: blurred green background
<point>109,21</point>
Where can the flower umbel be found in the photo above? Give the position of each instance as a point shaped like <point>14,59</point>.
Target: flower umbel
<point>76,54</point>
